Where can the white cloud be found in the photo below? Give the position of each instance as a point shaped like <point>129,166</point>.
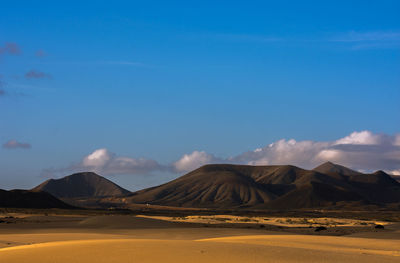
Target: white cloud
<point>397,140</point>
<point>328,155</point>
<point>194,160</point>
<point>362,150</point>
<point>281,152</point>
<point>363,137</point>
<point>98,158</point>
<point>394,172</point>
<point>107,163</point>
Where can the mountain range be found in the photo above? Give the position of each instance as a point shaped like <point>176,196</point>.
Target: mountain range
<point>226,186</point>
<point>273,187</point>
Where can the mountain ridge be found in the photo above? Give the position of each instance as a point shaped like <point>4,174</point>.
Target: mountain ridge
<point>272,187</point>
<point>228,186</point>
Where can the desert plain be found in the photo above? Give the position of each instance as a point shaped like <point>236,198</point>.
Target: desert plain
<point>82,236</point>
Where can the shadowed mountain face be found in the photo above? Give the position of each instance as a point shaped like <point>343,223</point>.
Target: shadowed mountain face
<point>276,187</point>
<point>30,199</point>
<point>81,185</point>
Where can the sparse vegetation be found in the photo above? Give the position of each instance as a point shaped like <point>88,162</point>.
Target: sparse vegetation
<point>222,219</point>
<point>320,228</point>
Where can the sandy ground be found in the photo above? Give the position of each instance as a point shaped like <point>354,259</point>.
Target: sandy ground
<point>28,238</point>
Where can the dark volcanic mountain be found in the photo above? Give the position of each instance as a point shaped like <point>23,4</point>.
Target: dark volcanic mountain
<point>331,168</point>
<point>30,199</point>
<point>274,187</point>
<point>81,185</point>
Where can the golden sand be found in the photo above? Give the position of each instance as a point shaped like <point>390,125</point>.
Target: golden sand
<point>227,249</point>
<point>135,239</point>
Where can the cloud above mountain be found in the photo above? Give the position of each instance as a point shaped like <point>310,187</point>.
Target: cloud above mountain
<point>363,151</point>
<point>360,150</point>
<point>105,162</point>
<point>194,160</point>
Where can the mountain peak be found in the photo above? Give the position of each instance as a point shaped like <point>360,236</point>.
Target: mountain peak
<point>329,167</point>
<point>380,172</point>
<point>85,184</point>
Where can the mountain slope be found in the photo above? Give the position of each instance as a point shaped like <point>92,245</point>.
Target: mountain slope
<point>277,187</point>
<point>79,185</point>
<point>208,186</point>
<point>377,187</point>
<point>30,199</point>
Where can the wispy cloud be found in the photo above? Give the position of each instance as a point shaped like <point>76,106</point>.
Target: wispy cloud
<point>2,84</point>
<point>248,38</point>
<point>369,40</point>
<point>10,48</point>
<point>13,144</point>
<point>122,63</point>
<point>34,74</point>
<point>10,92</point>
<point>353,39</point>
<point>41,53</point>
<point>372,36</point>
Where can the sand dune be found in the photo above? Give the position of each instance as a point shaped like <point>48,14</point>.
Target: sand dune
<point>320,243</point>
<point>267,248</point>
<point>124,238</point>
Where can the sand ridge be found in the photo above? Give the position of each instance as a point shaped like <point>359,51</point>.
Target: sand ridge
<point>322,243</point>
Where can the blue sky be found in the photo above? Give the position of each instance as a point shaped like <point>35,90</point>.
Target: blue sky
<point>161,79</point>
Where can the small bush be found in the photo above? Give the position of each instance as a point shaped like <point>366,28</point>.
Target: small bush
<point>320,228</point>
